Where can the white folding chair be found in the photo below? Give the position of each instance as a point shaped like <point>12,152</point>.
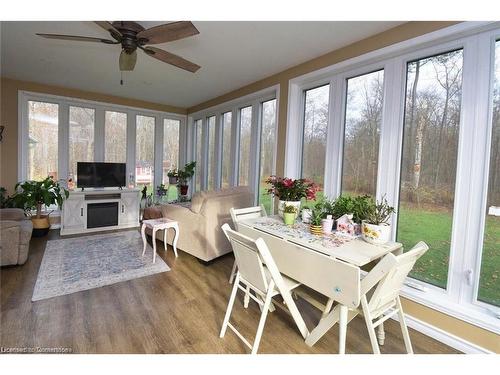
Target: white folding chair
<point>258,272</point>
<point>238,214</point>
<point>379,297</point>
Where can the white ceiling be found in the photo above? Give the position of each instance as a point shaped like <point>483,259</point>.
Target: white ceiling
<point>232,54</point>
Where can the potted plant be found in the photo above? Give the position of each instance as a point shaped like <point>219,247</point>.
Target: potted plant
<point>306,215</point>
<point>184,175</point>
<point>289,214</point>
<point>32,195</point>
<point>173,176</point>
<point>290,191</point>
<point>161,192</point>
<point>316,217</point>
<point>375,227</point>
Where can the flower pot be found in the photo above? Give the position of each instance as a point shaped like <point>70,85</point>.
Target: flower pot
<point>184,189</point>
<point>306,215</point>
<point>289,218</point>
<point>41,225</point>
<point>317,230</point>
<point>376,234</point>
<point>172,180</point>
<point>282,204</point>
<point>326,225</point>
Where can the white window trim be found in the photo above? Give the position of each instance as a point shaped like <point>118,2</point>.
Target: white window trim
<point>477,39</point>
<point>255,101</point>
<point>100,109</point>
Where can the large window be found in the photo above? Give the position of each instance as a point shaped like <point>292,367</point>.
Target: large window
<point>245,137</point>
<point>43,121</point>
<point>115,137</point>
<point>81,136</point>
<point>199,153</point>
<point>429,163</point>
<point>489,282</point>
<point>170,160</point>
<point>212,160</point>
<point>315,131</point>
<point>226,149</point>
<point>267,150</point>
<point>362,132</point>
<point>144,152</point>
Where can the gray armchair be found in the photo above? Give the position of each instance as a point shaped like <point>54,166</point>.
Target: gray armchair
<point>15,235</point>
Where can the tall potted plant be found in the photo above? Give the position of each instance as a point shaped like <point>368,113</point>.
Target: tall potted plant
<point>32,195</point>
<point>173,176</point>
<point>375,228</point>
<point>290,191</point>
<point>184,175</point>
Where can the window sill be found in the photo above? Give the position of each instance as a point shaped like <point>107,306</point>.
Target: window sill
<point>474,314</point>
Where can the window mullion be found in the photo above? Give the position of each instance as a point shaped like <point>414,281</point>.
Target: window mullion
<point>158,152</point>
<point>336,134</point>
<point>99,134</point>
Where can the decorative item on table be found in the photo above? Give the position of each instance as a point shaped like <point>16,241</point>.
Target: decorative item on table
<point>315,223</point>
<point>327,224</point>
<point>346,225</point>
<point>184,176</point>
<point>32,195</point>
<point>161,193</point>
<point>375,228</point>
<point>289,214</point>
<point>173,176</point>
<point>70,183</point>
<point>131,181</point>
<point>306,215</point>
<point>290,191</point>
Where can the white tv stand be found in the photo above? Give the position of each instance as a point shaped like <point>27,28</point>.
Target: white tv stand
<point>94,210</point>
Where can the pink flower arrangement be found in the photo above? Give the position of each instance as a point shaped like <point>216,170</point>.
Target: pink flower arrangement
<point>288,189</point>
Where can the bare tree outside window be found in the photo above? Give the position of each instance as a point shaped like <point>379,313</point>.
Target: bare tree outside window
<point>267,150</point>
<point>115,137</point>
<point>362,133</point>
<point>429,161</point>
<point>43,124</point>
<point>199,153</point>
<point>81,137</point>
<point>245,136</point>
<point>226,148</point>
<point>315,131</point>
<point>144,152</point>
<point>489,281</point>
<point>171,130</point>
<point>211,153</point>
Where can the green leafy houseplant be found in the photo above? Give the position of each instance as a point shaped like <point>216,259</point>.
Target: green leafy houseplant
<point>316,217</point>
<point>173,173</point>
<point>378,213</point>
<point>32,195</point>
<point>184,175</point>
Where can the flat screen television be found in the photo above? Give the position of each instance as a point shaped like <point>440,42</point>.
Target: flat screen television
<point>100,175</point>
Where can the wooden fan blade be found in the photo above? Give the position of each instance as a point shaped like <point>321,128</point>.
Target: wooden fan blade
<point>77,38</point>
<point>171,59</point>
<point>168,32</point>
<point>109,28</point>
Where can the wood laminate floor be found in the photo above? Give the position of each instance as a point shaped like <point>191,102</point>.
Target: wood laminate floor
<point>180,311</point>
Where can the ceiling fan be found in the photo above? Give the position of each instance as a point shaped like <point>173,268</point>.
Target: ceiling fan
<point>132,35</point>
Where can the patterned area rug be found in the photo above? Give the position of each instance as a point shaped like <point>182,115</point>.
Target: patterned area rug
<point>74,264</point>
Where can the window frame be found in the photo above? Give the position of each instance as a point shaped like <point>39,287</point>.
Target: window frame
<point>478,41</point>
<point>253,100</point>
<point>100,108</point>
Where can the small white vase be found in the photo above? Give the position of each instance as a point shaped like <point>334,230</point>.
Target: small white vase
<point>376,234</point>
<point>327,224</point>
<point>306,215</point>
<point>282,204</point>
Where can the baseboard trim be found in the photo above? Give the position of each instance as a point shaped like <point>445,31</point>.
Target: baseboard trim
<point>445,337</point>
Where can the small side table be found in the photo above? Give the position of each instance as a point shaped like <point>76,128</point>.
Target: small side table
<point>156,225</point>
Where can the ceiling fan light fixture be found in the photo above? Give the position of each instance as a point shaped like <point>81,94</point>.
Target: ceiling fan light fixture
<point>127,60</point>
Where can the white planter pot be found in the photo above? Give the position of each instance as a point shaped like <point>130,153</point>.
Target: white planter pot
<point>327,225</point>
<point>281,207</point>
<point>306,215</point>
<point>376,234</point>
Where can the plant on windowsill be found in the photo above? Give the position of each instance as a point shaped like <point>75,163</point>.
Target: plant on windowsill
<point>316,217</point>
<point>32,195</point>
<point>184,176</point>
<point>289,214</point>
<point>290,191</point>
<point>161,192</point>
<point>173,176</point>
<point>375,227</point>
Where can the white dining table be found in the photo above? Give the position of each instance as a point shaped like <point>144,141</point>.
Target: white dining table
<point>292,248</point>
